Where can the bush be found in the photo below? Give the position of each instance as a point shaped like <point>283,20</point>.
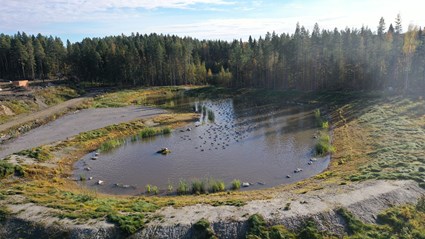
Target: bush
<point>236,184</point>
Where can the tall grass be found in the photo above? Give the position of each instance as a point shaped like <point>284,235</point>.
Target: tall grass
<point>198,186</point>
<point>111,144</point>
<point>324,146</point>
<point>211,115</point>
<point>216,186</point>
<point>144,133</point>
<point>183,188</point>
<point>236,184</point>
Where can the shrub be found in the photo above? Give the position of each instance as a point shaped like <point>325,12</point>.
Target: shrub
<point>236,184</point>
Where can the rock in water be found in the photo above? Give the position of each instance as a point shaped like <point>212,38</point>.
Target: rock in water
<point>245,184</point>
<point>164,151</point>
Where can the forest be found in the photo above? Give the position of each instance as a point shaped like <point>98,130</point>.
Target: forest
<point>349,59</point>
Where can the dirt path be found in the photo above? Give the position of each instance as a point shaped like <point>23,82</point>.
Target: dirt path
<point>22,119</point>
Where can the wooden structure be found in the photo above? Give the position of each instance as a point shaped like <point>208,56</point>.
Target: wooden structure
<point>21,83</point>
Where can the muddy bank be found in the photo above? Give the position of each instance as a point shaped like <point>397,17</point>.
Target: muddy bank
<point>365,200</point>
<point>75,123</point>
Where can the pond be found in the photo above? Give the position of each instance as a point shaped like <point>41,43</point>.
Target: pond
<point>262,144</point>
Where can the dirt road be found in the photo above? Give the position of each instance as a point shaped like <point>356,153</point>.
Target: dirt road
<point>22,119</point>
<point>71,124</point>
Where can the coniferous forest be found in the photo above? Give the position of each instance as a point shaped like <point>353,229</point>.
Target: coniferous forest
<point>353,59</point>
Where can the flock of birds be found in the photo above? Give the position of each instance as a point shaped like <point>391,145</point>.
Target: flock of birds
<point>226,129</point>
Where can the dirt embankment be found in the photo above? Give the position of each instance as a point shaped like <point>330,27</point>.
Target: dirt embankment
<point>365,200</point>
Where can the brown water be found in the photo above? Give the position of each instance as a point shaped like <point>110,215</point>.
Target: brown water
<point>256,143</point>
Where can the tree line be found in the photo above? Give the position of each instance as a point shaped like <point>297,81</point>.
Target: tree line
<point>358,59</point>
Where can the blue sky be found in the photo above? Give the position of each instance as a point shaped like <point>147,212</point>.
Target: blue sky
<point>203,19</point>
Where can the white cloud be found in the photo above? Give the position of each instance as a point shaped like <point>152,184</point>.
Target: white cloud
<point>227,19</point>
<point>20,14</point>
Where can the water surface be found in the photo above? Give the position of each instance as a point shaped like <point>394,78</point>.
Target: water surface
<point>257,143</point>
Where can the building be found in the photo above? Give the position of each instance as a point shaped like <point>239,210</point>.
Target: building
<point>21,83</point>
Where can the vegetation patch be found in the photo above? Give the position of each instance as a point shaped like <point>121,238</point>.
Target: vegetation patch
<point>56,94</point>
<point>41,153</point>
<point>7,169</point>
<point>397,222</point>
<point>202,230</point>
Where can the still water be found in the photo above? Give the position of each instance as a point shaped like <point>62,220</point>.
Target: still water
<point>254,142</point>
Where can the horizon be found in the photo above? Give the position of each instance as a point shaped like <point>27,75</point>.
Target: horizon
<point>201,19</point>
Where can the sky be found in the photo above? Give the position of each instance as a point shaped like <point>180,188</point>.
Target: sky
<point>202,19</point>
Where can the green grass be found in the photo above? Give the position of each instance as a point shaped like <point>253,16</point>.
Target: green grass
<point>198,186</point>
<point>398,141</point>
<point>183,188</point>
<point>41,153</point>
<point>142,134</point>
<point>324,146</point>
<point>216,186</point>
<point>202,230</point>
<point>6,169</point>
<point>129,223</point>
<point>57,94</point>
<point>111,144</point>
<point>404,221</point>
<point>236,184</point>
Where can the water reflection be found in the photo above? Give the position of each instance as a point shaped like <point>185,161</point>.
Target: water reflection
<point>242,139</point>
